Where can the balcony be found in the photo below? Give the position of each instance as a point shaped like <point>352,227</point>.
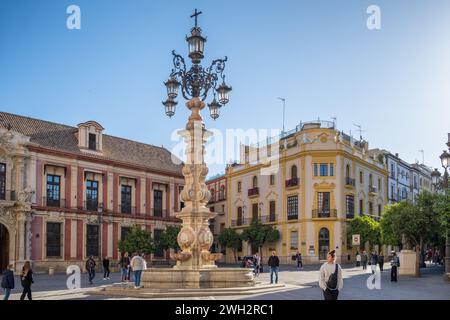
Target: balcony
<point>294,182</point>
<point>253,192</point>
<point>269,218</point>
<point>127,209</point>
<point>54,203</point>
<point>8,195</point>
<point>373,190</point>
<point>159,212</point>
<point>240,222</point>
<point>324,213</point>
<point>292,216</point>
<point>92,205</point>
<point>349,215</point>
<point>349,182</point>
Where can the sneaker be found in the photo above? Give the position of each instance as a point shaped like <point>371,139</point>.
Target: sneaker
<point>104,278</point>
<point>108,278</point>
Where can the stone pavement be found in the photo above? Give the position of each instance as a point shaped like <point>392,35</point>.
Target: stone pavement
<point>300,285</point>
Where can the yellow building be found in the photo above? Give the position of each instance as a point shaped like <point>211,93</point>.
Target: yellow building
<point>319,179</point>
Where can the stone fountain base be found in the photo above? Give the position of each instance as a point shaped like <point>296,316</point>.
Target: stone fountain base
<point>179,278</point>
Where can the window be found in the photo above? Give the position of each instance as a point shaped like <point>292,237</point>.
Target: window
<point>239,216</point>
<point>91,195</point>
<point>292,207</point>
<point>324,169</point>
<point>239,186</point>
<point>370,180</point>
<point>315,169</point>
<point>222,193</point>
<point>53,190</point>
<point>361,207</point>
<point>323,203</point>
<point>371,208</point>
<point>159,251</point>
<point>379,210</point>
<point>272,179</point>
<point>294,240</point>
<point>294,171</point>
<point>350,206</point>
<point>392,192</point>
<point>53,239</point>
<point>272,210</point>
<point>254,212</point>
<point>239,249</point>
<point>157,203</point>
<point>392,171</point>
<point>92,141</point>
<point>361,177</point>
<point>124,232</point>
<point>331,170</point>
<point>212,209</point>
<point>92,240</point>
<point>255,182</point>
<point>379,185</point>
<point>126,199</point>
<point>2,181</point>
<point>213,195</point>
<point>347,171</point>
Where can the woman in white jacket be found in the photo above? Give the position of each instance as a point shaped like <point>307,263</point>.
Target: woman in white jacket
<point>330,277</point>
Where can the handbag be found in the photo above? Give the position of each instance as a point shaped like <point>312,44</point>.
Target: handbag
<point>332,282</point>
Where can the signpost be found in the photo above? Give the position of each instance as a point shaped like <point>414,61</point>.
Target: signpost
<point>356,240</point>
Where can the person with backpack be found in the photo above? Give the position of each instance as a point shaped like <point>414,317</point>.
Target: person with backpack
<point>8,281</point>
<point>330,277</point>
<point>274,264</point>
<point>106,271</point>
<point>90,267</point>
<point>26,279</point>
<point>395,263</point>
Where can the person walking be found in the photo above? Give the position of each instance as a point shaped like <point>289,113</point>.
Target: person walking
<point>106,271</point>
<point>364,259</point>
<point>395,263</point>
<point>90,268</point>
<point>381,261</point>
<point>26,279</point>
<point>137,264</point>
<point>330,277</point>
<point>257,263</point>
<point>298,257</point>
<point>374,262</point>
<point>274,264</point>
<point>124,266</point>
<point>358,259</point>
<point>8,281</point>
<point>144,261</point>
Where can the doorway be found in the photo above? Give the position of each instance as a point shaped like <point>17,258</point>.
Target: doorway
<point>4,247</point>
<point>324,243</point>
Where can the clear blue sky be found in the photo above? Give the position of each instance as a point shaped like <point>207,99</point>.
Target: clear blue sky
<point>318,54</point>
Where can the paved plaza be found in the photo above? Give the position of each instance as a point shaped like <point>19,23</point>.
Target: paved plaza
<point>300,285</point>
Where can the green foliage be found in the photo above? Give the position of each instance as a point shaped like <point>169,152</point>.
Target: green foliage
<point>258,234</point>
<point>368,229</point>
<point>138,240</point>
<point>168,238</point>
<point>442,208</point>
<point>229,238</point>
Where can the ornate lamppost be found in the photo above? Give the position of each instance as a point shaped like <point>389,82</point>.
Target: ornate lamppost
<point>445,161</point>
<point>195,238</point>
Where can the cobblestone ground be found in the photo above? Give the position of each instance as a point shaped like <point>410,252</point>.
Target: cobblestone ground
<point>300,285</point>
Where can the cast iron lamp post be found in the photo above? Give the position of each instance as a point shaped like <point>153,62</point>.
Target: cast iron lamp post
<point>195,238</point>
<point>445,161</point>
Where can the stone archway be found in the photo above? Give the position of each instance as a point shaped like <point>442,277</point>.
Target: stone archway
<point>4,247</point>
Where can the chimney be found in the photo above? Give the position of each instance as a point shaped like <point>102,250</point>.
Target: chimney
<point>396,155</point>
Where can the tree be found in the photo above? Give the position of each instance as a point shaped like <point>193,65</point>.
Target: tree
<point>442,208</point>
<point>367,228</point>
<point>416,224</point>
<point>258,234</point>
<point>137,240</point>
<point>229,238</point>
<point>168,239</point>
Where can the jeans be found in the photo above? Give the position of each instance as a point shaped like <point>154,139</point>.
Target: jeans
<point>137,278</point>
<point>91,275</point>
<point>364,265</point>
<point>272,271</point>
<point>106,273</point>
<point>7,292</point>
<point>124,274</point>
<point>330,294</point>
<point>27,292</point>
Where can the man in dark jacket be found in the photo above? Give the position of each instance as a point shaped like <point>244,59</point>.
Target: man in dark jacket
<point>106,271</point>
<point>274,264</point>
<point>90,267</point>
<point>8,281</point>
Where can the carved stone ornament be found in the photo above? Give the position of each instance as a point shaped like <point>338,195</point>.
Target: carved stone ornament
<point>205,238</point>
<point>186,238</point>
<point>8,217</point>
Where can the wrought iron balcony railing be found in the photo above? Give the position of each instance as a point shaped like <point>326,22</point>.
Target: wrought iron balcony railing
<point>54,203</point>
<point>127,209</point>
<point>324,213</point>
<point>269,218</point>
<point>373,189</point>
<point>8,195</point>
<point>159,212</point>
<point>92,205</point>
<point>240,222</point>
<point>293,182</point>
<point>292,216</point>
<point>349,181</point>
<point>253,192</point>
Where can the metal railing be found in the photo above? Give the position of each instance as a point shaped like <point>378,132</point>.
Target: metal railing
<point>253,192</point>
<point>324,213</point>
<point>92,205</point>
<point>54,203</point>
<point>293,182</point>
<point>240,222</point>
<point>292,216</point>
<point>349,181</point>
<point>269,218</point>
<point>349,215</point>
<point>127,209</point>
<point>8,195</point>
<point>372,189</point>
<point>159,212</point>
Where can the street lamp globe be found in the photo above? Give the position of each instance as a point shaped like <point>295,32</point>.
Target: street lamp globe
<point>223,91</point>
<point>435,175</point>
<point>214,108</point>
<point>170,105</point>
<point>196,45</point>
<point>445,159</point>
<point>172,86</point>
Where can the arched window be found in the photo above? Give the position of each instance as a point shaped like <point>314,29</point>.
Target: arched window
<point>222,192</point>
<point>370,180</point>
<point>347,171</point>
<point>294,171</point>
<point>212,194</point>
<point>255,182</point>
<point>239,216</point>
<point>239,186</point>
